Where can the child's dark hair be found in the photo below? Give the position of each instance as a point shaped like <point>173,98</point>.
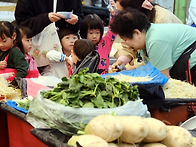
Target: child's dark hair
<point>7,30</point>
<point>25,31</point>
<point>82,47</point>
<point>65,32</point>
<point>91,21</point>
<point>127,21</point>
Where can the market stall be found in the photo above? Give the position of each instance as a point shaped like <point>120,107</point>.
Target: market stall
<point>49,117</point>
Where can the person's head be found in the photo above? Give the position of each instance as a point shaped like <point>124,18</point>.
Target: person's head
<point>9,36</point>
<point>92,28</point>
<point>67,38</point>
<point>144,6</point>
<point>131,25</point>
<point>81,49</point>
<point>26,36</point>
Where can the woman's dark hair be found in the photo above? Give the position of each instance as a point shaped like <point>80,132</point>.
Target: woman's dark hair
<point>65,32</point>
<point>128,20</point>
<point>82,47</point>
<point>91,21</point>
<point>7,30</point>
<point>137,4</point>
<point>25,31</point>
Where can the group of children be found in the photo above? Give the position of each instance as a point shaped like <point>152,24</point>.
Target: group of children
<point>87,49</point>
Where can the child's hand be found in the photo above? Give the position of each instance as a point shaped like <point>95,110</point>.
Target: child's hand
<point>3,64</point>
<point>114,65</point>
<point>69,63</point>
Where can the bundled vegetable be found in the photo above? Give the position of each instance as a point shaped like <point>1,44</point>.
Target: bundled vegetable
<point>105,126</point>
<point>92,91</point>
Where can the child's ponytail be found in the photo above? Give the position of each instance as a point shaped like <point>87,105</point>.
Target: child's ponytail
<point>7,29</point>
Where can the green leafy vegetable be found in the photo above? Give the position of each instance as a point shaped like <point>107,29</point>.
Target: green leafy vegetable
<point>91,90</point>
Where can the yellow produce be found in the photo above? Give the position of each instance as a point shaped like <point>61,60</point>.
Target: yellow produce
<point>154,145</point>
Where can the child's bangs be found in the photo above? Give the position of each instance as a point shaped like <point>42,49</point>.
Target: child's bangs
<point>94,25</point>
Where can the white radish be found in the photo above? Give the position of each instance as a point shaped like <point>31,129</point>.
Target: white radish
<point>135,130</point>
<point>157,130</point>
<point>155,144</point>
<point>87,141</point>
<point>177,137</point>
<point>105,126</point>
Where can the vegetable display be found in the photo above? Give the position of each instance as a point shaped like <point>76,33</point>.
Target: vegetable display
<point>90,90</point>
<point>136,131</point>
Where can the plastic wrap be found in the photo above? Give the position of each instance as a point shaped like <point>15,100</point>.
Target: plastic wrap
<point>44,113</point>
<point>143,71</point>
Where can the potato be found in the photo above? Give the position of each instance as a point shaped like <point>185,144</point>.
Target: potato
<point>112,145</point>
<point>121,145</point>
<point>157,130</point>
<point>87,141</point>
<point>105,126</point>
<point>155,144</point>
<point>177,137</point>
<point>135,129</point>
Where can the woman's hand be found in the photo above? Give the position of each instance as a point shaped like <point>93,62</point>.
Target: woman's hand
<point>73,20</point>
<point>54,16</point>
<point>3,64</point>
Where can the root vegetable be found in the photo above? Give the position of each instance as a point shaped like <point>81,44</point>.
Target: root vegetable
<point>87,141</point>
<point>105,126</point>
<point>177,137</point>
<point>121,145</point>
<point>135,129</point>
<point>157,130</point>
<point>154,145</point>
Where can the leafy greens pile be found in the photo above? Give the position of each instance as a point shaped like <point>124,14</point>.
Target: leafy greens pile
<point>90,90</point>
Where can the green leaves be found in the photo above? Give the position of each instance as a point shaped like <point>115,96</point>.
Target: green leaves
<point>90,90</point>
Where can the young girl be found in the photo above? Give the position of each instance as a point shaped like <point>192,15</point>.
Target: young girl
<point>26,36</point>
<point>58,59</point>
<point>84,54</point>
<point>11,50</point>
<point>92,28</point>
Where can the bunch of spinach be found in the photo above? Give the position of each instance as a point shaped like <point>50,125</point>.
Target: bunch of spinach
<point>90,90</point>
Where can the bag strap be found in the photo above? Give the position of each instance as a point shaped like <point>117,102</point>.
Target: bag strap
<point>192,47</point>
<point>54,5</point>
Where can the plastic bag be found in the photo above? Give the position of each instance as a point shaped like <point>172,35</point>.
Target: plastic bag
<point>43,42</point>
<point>44,113</point>
<point>143,71</point>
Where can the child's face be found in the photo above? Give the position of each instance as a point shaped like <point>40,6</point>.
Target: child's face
<point>27,44</point>
<point>68,41</point>
<point>94,35</point>
<point>7,43</point>
<point>74,57</point>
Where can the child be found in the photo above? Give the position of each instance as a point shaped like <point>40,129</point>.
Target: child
<point>58,59</point>
<point>10,55</point>
<point>26,36</point>
<point>92,28</point>
<point>84,54</point>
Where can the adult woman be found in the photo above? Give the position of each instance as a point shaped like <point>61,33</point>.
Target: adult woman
<point>154,13</point>
<point>163,48</point>
<point>37,14</point>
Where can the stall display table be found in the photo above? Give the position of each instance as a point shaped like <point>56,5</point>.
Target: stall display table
<point>175,111</point>
<point>19,130</point>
